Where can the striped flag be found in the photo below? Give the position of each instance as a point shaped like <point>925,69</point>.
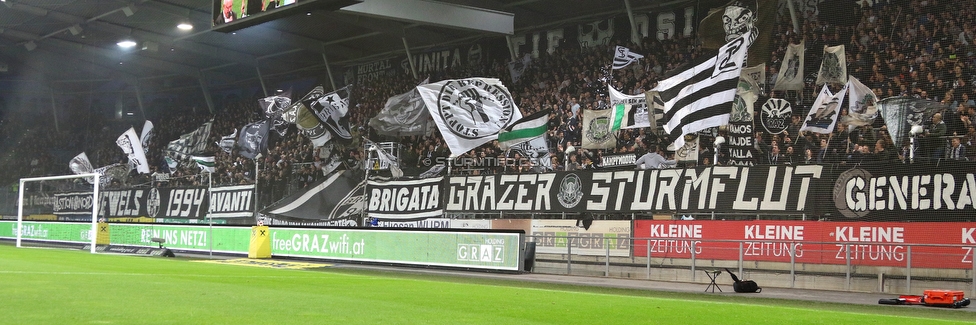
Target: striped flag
<point>523,130</point>
<point>623,57</point>
<point>701,96</point>
<point>206,164</point>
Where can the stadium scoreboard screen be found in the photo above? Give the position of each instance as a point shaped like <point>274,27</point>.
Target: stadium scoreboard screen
<point>231,15</point>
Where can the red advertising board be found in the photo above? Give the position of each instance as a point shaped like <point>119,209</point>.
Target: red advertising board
<point>863,243</point>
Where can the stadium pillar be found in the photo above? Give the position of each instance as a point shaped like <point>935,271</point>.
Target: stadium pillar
<point>406,48</point>
<point>257,66</point>
<point>142,109</point>
<point>328,69</point>
<point>54,110</point>
<point>633,25</point>
<point>206,92</point>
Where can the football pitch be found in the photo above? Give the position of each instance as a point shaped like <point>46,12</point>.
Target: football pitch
<point>63,286</point>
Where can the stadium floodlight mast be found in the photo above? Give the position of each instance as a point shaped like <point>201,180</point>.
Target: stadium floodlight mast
<point>95,203</point>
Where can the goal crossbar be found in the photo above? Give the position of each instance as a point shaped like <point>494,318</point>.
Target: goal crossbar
<point>95,203</point>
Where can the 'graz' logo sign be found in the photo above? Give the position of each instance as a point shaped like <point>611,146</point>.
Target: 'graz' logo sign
<point>776,115</point>
<point>474,109</point>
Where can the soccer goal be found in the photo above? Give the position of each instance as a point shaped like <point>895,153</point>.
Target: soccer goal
<point>57,210</point>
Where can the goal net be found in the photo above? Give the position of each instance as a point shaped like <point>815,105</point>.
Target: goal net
<point>57,211</point>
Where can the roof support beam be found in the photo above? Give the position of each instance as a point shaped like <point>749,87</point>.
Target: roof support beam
<point>438,13</point>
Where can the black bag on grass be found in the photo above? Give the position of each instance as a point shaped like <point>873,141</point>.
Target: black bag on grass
<point>743,286</point>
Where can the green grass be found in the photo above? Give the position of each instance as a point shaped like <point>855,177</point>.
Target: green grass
<point>60,286</point>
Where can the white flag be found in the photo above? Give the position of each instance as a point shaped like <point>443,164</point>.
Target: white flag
<point>823,114</point>
<point>862,104</point>
<point>756,77</point>
<point>130,144</point>
<point>833,68</point>
<point>636,113</point>
<point>206,164</point>
<point>623,57</point>
<point>81,165</point>
<point>701,96</point>
<point>790,76</point>
<point>469,112</point>
<point>147,135</point>
<point>385,158</point>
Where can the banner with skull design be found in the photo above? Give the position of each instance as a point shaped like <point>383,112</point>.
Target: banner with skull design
<point>253,139</point>
<point>737,18</point>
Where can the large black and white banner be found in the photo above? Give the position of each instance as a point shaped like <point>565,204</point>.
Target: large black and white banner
<point>758,189</point>
<point>190,144</point>
<point>944,191</point>
<point>232,201</point>
<point>191,203</point>
<point>338,199</point>
<point>405,200</point>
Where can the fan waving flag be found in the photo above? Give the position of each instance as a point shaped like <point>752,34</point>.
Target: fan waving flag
<point>833,68</point>
<point>824,112</point>
<point>253,139</point>
<point>701,96</point>
<point>523,130</point>
<point>635,113</point>
<point>790,75</point>
<point>130,144</point>
<point>469,112</point>
<point>862,102</point>
<point>228,142</point>
<point>622,57</point>
<point>332,109</point>
<point>147,135</point>
<point>206,164</point>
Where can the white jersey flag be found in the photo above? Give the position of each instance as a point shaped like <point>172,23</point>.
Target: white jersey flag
<point>824,112</point>
<point>790,76</point>
<point>636,114</point>
<point>130,144</point>
<point>862,104</point>
<point>469,112</point>
<point>833,68</point>
<point>622,57</point>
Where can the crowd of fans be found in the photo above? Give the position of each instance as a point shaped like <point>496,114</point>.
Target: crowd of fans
<point>923,49</point>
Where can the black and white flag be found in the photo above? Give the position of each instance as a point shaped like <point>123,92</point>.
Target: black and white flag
<point>790,75</point>
<point>701,96</point>
<point>385,158</point>
<point>190,144</point>
<point>824,112</point>
<point>227,142</point>
<point>403,115</point>
<point>81,165</point>
<point>132,147</point>
<point>517,68</point>
<point>469,112</point>
<point>833,68</point>
<point>147,135</point>
<point>332,110</point>
<point>636,114</point>
<point>253,139</point>
<point>622,57</point>
<point>308,124</point>
<point>274,108</point>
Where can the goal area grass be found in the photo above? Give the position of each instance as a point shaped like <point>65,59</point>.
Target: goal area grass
<point>65,286</point>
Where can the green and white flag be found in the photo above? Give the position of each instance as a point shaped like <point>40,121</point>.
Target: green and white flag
<point>523,130</point>
<point>206,164</point>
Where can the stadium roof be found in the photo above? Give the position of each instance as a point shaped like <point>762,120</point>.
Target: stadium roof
<point>71,45</point>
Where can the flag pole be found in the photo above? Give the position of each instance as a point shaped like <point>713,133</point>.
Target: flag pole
<point>210,211</point>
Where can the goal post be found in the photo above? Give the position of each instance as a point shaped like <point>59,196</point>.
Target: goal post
<point>95,203</point>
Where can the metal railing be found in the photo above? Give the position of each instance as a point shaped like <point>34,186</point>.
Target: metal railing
<point>570,251</point>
